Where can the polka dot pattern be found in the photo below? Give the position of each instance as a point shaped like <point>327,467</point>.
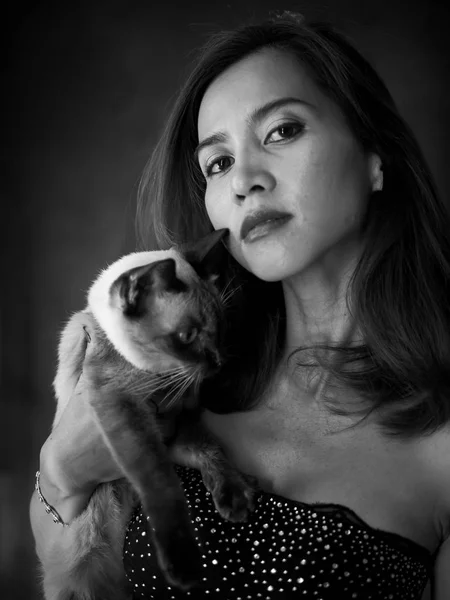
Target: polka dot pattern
<point>286,549</point>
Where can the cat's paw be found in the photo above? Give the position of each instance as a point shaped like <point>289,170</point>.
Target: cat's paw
<point>234,495</point>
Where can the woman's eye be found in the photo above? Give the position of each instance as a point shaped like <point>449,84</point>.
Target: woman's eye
<point>218,165</point>
<point>286,131</point>
<point>187,336</point>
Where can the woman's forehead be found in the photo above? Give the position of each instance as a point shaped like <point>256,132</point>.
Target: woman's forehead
<point>260,78</point>
<point>256,80</point>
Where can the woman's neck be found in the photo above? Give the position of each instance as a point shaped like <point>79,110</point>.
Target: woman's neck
<point>316,301</point>
<point>318,313</point>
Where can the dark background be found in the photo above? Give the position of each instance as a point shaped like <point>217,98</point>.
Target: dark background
<point>86,88</point>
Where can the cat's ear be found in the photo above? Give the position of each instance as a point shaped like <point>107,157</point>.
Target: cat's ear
<point>207,254</point>
<point>133,288</point>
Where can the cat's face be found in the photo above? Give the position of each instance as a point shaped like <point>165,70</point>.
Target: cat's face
<point>172,314</point>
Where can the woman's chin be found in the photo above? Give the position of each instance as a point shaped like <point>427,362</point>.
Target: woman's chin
<point>268,276</point>
<point>268,259</point>
<point>267,271</point>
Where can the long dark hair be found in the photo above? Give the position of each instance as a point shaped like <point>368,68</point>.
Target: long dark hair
<point>399,292</point>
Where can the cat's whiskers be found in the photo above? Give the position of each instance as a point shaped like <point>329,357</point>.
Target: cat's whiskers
<point>198,379</point>
<point>177,374</point>
<point>153,389</point>
<point>181,387</point>
<point>180,390</point>
<point>226,297</point>
<point>153,382</point>
<point>171,380</point>
<point>195,378</point>
<point>174,388</point>
<point>176,384</point>
<point>225,289</point>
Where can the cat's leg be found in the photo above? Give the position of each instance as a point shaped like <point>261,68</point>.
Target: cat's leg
<point>130,431</point>
<point>233,492</point>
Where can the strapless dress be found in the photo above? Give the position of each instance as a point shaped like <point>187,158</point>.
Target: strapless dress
<point>287,549</point>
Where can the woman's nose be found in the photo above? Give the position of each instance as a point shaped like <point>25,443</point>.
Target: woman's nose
<point>248,179</point>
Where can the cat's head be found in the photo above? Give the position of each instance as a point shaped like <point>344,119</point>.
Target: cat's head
<point>162,310</point>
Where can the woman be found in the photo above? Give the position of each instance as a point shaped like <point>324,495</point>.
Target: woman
<point>337,395</point>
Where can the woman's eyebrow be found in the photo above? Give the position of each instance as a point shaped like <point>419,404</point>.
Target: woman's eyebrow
<point>256,116</point>
<point>260,113</point>
<point>215,138</point>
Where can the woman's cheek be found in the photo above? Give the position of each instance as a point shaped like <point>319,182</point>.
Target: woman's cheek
<point>216,214</point>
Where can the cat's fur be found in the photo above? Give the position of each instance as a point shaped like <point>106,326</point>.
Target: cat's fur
<point>127,342</point>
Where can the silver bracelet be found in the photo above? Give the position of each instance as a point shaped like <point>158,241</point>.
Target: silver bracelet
<point>48,509</point>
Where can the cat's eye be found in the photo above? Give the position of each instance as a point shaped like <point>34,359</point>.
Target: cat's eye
<point>187,336</point>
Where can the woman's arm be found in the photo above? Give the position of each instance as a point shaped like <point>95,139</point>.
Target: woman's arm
<point>74,463</point>
<point>82,559</point>
<point>67,503</point>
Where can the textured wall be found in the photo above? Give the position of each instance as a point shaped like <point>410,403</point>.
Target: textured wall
<point>87,89</point>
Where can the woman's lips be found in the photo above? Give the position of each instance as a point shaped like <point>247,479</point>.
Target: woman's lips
<point>262,223</point>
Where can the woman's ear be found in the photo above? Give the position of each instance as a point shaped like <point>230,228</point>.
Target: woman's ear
<point>375,172</point>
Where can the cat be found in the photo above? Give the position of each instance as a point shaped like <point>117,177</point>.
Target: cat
<point>151,332</point>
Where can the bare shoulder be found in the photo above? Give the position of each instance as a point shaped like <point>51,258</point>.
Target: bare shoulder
<point>441,576</point>
<point>435,451</point>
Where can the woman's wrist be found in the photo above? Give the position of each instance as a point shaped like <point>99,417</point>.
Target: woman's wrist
<point>67,497</point>
<point>67,504</point>
<point>49,509</point>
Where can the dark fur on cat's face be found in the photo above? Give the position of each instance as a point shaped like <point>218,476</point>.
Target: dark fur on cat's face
<point>166,316</point>
<point>173,312</point>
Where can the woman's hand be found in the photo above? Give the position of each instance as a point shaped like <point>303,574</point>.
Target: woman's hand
<point>74,458</point>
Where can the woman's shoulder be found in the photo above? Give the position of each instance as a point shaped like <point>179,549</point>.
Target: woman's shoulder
<point>435,452</point>
<point>436,447</point>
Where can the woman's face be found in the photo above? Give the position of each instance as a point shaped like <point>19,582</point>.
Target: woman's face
<point>284,172</point>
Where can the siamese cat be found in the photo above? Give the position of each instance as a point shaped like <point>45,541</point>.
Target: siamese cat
<point>151,332</point>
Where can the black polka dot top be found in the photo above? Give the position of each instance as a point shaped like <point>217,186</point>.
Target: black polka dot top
<point>286,549</point>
